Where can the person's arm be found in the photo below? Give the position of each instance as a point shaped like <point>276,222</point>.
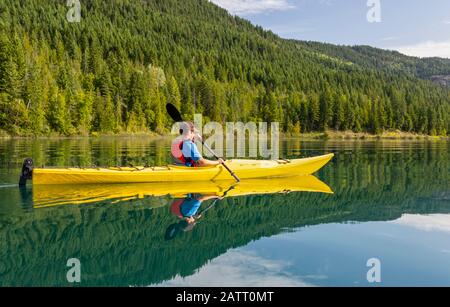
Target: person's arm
<point>206,162</point>
<point>197,157</point>
<point>206,197</point>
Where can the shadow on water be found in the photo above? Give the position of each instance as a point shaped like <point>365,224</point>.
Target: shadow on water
<point>121,239</point>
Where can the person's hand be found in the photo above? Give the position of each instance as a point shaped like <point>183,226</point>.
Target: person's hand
<point>221,161</point>
<point>190,220</point>
<point>197,136</point>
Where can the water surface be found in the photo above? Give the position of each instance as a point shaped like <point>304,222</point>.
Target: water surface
<point>390,202</point>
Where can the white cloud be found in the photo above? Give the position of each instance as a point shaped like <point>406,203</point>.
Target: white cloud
<point>389,38</point>
<point>241,269</point>
<point>426,49</point>
<point>447,22</point>
<point>249,7</point>
<point>434,222</point>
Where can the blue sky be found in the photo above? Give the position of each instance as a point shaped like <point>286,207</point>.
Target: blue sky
<point>414,27</point>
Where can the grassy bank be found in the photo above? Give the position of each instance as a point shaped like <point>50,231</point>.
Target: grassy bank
<point>327,135</point>
<point>5,135</point>
<point>350,135</point>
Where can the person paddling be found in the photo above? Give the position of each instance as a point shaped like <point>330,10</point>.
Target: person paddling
<point>185,151</point>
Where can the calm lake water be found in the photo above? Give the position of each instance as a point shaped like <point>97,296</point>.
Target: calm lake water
<point>391,202</point>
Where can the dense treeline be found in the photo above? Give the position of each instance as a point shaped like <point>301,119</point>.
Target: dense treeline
<point>115,70</point>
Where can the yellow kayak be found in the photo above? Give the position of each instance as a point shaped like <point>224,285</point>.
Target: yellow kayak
<point>244,169</point>
<point>52,195</point>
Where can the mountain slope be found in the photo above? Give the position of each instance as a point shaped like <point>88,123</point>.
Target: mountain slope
<point>115,70</point>
<point>393,61</point>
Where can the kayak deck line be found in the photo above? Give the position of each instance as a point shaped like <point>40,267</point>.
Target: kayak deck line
<point>244,169</point>
<point>140,168</point>
<point>112,168</point>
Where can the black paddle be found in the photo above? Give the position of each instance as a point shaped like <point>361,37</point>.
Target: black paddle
<point>176,116</point>
<point>174,113</point>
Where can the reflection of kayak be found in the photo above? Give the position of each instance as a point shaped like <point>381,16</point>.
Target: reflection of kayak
<point>244,169</point>
<point>52,195</point>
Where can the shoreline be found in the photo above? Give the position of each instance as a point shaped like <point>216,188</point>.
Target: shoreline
<point>327,135</point>
<point>365,136</point>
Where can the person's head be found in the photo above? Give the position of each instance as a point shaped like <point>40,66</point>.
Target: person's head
<point>182,226</point>
<point>187,129</point>
<point>188,224</point>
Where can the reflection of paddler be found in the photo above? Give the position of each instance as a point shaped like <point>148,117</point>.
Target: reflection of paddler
<point>186,210</point>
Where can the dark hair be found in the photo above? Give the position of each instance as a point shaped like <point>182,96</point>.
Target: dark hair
<point>189,124</point>
<point>173,230</point>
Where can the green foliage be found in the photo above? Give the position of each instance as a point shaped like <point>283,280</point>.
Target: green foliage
<point>116,69</point>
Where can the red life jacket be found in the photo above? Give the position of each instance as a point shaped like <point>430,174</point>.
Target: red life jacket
<point>175,208</point>
<point>177,153</point>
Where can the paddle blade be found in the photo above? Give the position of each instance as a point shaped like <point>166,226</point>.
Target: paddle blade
<point>173,112</point>
<point>171,232</point>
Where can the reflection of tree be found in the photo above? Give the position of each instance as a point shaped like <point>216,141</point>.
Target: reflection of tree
<point>105,151</point>
<point>123,243</point>
<point>120,244</point>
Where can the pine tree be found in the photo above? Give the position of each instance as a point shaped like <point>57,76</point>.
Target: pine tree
<point>58,117</point>
<point>314,111</point>
<point>174,96</point>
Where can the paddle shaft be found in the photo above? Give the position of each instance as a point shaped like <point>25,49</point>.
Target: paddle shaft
<point>209,207</point>
<point>224,165</point>
<point>216,201</point>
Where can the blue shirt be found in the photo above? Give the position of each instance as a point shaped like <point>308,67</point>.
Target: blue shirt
<point>190,150</point>
<point>189,207</point>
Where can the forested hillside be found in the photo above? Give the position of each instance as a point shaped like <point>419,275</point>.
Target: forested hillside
<point>116,69</point>
<point>386,60</point>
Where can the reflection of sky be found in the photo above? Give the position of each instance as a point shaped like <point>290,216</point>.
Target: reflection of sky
<point>434,222</point>
<point>241,268</point>
<point>413,250</point>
